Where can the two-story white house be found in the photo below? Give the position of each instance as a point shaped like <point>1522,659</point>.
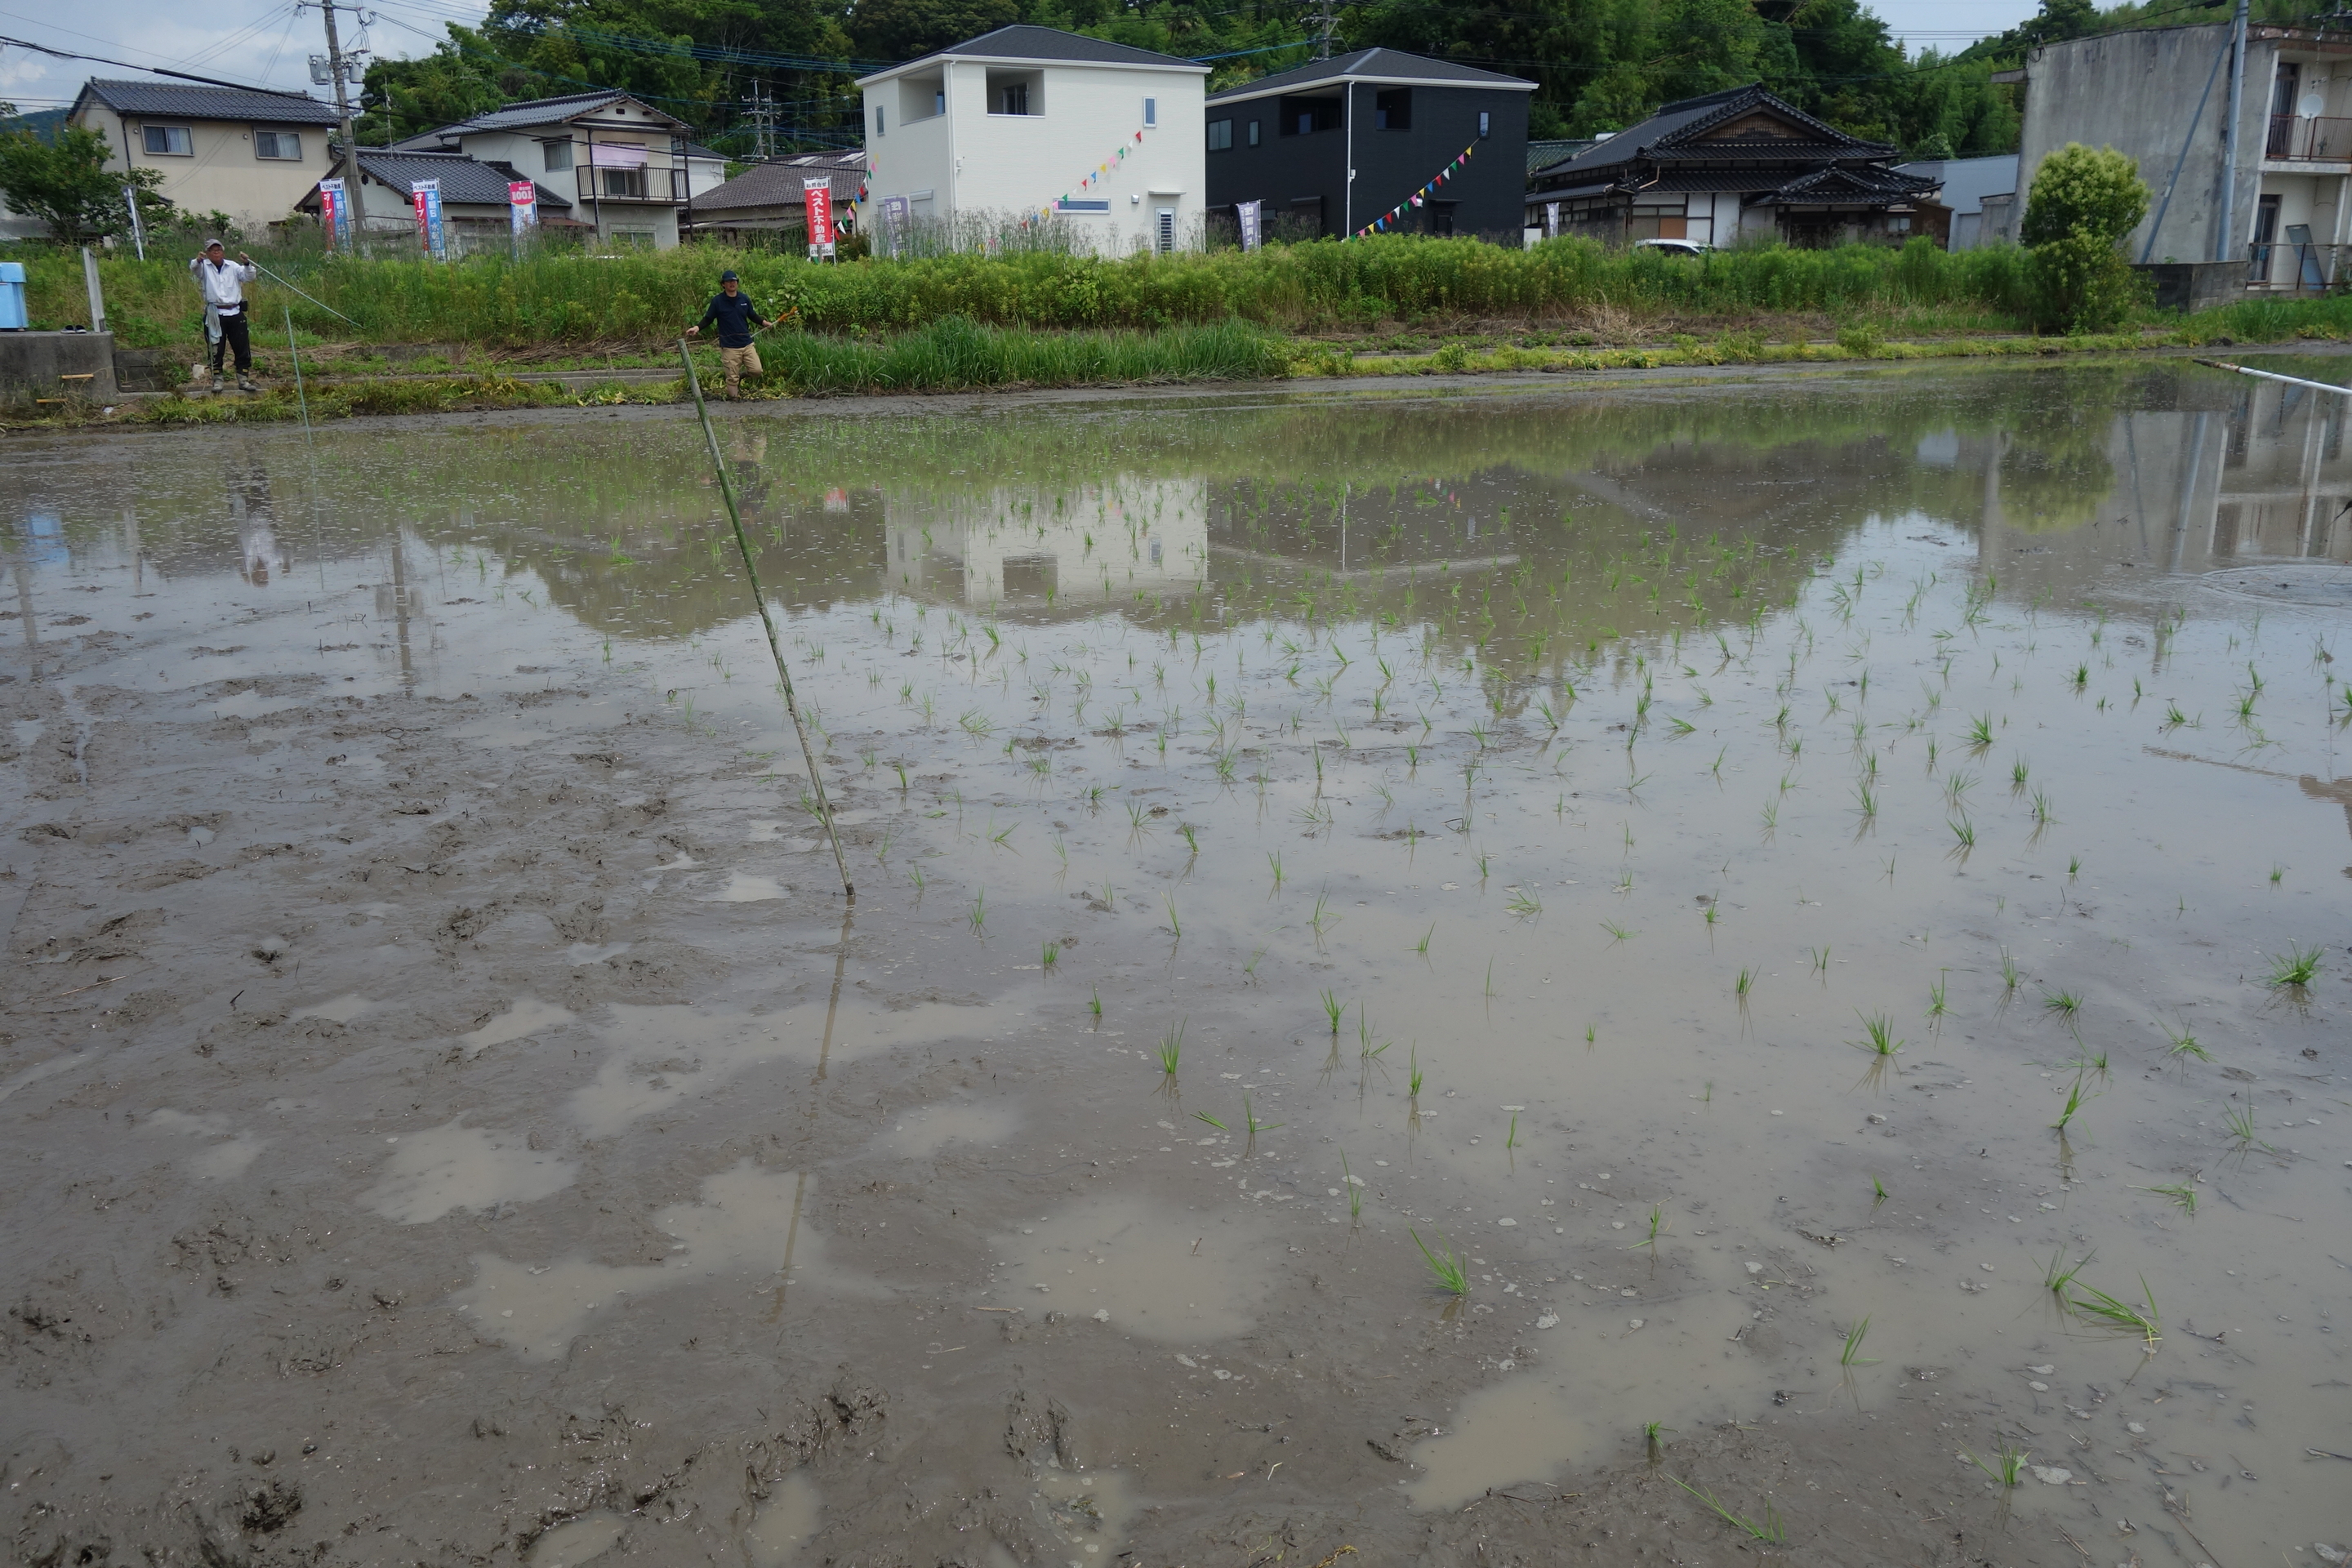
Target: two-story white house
<point>1028,122</point>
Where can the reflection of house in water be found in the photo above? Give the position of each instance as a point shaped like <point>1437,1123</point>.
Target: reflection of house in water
<point>1085,545</point>
<point>2259,474</point>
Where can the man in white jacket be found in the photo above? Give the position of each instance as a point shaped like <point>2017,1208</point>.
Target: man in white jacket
<point>222,283</point>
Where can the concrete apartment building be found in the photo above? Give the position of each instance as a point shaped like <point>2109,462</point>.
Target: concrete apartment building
<point>1028,121</point>
<point>251,155</point>
<point>2161,94</point>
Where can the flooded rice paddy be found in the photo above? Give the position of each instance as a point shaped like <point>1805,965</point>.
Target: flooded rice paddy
<point>1505,974</point>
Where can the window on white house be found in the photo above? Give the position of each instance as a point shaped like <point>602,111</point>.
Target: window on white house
<point>1221,135</point>
<point>168,140</point>
<point>558,156</point>
<point>282,144</point>
<point>1151,111</point>
<point>878,120</point>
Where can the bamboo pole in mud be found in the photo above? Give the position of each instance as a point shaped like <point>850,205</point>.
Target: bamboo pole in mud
<point>767,620</point>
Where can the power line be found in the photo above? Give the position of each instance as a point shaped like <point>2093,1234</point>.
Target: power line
<point>155,70</point>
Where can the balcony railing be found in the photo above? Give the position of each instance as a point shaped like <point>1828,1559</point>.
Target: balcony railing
<point>2294,138</point>
<point>641,184</point>
<point>2310,268</point>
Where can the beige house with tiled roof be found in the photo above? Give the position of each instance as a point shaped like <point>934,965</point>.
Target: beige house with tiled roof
<point>248,155</point>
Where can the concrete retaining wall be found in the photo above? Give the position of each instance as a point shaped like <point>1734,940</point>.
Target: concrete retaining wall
<point>34,366</point>
<point>2196,285</point>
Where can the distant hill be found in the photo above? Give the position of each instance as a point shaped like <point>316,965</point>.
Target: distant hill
<point>41,122</point>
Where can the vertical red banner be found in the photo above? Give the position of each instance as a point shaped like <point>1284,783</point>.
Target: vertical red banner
<point>820,216</point>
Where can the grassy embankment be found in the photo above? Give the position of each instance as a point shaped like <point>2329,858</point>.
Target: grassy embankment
<point>970,321</point>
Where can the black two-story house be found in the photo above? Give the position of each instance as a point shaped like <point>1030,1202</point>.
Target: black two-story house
<point>1334,145</point>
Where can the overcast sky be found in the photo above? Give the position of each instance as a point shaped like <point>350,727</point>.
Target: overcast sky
<point>267,43</point>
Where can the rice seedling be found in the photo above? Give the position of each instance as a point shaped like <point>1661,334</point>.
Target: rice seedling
<point>1742,984</point>
<point>2017,774</point>
<point>1865,801</point>
<point>1190,836</point>
<point>2011,1464</point>
<point>2180,1045</point>
<point>1355,1189</point>
<point>2075,1100</point>
<point>1820,961</point>
<point>1333,1008</point>
<point>2183,1195</point>
<point>1878,1031</point>
<point>1616,932</point>
<point>2074,867</point>
<point>2278,873</point>
<point>1657,1230</point>
<point>1490,980</point>
<point>1447,1267</point>
<point>977,913</point>
<point>1511,1137</point>
<point>2058,1276</point>
<point>2295,966</point>
<point>1963,830</point>
<point>1413,1084</point>
<point>1525,904</point>
<point>1249,1117</point>
<point>1094,1003</point>
<point>1205,1116</point>
<point>2009,972</point>
<point>915,875</point>
<point>1772,814</point>
<point>1273,863</point>
<point>2100,1309</point>
<point>1711,916</point>
<point>1769,1530</point>
<point>1980,730</point>
<point>2082,676</point>
<point>1651,1440</point>
<point>1175,926</point>
<point>2065,1003</point>
<point>1322,920</point>
<point>1422,947</point>
<point>1171,1047</point>
<point>1852,1354</point>
<point>1052,955</point>
<point>1878,1192</point>
<point>2240,1125</point>
<point>1936,1001</point>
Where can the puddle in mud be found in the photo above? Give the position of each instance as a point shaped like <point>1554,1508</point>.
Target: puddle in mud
<point>444,1169</point>
<point>748,1222</point>
<point>1763,810</point>
<point>784,1523</point>
<point>921,1133</point>
<point>577,1542</point>
<point>1152,1272</point>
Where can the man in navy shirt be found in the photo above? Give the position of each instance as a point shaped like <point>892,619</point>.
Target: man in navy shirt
<point>736,315</point>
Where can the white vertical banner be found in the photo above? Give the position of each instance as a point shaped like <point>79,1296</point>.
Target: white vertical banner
<point>1552,220</point>
<point>1249,214</point>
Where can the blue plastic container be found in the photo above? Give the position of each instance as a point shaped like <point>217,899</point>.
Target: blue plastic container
<point>12,297</point>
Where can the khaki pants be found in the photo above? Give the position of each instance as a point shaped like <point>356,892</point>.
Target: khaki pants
<point>736,362</point>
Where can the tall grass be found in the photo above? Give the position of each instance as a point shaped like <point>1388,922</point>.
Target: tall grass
<point>557,296</point>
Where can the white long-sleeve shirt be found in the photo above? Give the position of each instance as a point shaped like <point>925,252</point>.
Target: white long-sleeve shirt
<point>224,286</point>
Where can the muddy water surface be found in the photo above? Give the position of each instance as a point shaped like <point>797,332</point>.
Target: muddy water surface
<point>1747,881</point>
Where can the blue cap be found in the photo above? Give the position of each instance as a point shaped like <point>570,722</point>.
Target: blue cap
<point>728,278</point>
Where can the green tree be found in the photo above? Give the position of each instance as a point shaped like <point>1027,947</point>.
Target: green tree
<point>2082,204</point>
<point>2096,192</point>
<point>66,184</point>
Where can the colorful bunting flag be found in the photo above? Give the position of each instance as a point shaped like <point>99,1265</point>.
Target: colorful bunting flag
<point>1381,223</point>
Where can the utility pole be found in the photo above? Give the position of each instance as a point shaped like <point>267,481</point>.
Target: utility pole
<point>2225,237</point>
<point>1323,17</point>
<point>339,68</point>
